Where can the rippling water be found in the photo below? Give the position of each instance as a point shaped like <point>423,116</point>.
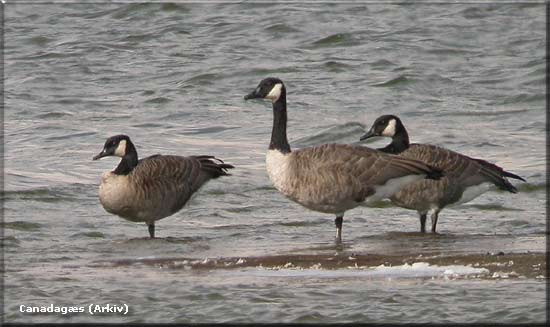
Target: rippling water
<point>172,76</point>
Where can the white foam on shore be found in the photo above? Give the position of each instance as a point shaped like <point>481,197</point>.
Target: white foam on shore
<point>416,270</point>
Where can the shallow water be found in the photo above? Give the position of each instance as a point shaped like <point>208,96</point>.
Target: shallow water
<point>467,77</point>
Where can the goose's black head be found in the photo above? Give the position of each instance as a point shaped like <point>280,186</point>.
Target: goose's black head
<point>387,125</point>
<point>269,88</point>
<point>118,145</point>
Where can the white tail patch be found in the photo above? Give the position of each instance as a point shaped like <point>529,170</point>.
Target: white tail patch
<point>390,129</point>
<point>121,149</point>
<point>391,187</point>
<point>473,192</point>
<point>275,92</point>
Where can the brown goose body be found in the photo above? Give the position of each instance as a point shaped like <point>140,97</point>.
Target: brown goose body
<point>464,178</point>
<point>333,178</point>
<point>157,187</point>
<point>154,187</point>
<point>461,174</point>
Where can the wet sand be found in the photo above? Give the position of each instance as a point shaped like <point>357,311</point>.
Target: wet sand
<point>499,265</point>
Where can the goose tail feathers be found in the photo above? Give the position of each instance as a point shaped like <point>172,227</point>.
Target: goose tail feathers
<point>510,175</point>
<point>214,166</point>
<point>501,171</point>
<point>499,175</point>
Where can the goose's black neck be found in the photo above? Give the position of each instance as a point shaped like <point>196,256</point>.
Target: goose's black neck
<point>278,134</point>
<point>399,141</point>
<point>129,161</point>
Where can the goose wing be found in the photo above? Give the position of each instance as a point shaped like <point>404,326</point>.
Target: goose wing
<point>336,173</point>
<point>164,183</point>
<point>460,168</point>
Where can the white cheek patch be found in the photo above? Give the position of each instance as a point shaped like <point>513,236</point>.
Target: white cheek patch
<point>121,149</point>
<point>390,129</point>
<point>275,92</point>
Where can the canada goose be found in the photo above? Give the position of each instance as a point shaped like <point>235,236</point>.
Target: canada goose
<point>331,178</point>
<point>155,187</point>
<point>464,178</point>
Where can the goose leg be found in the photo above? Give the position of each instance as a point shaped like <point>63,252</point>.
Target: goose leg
<point>423,223</point>
<point>434,217</point>
<point>151,229</point>
<point>338,222</point>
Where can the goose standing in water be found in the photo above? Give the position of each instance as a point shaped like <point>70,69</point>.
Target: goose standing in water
<point>464,178</point>
<point>331,178</point>
<point>155,187</point>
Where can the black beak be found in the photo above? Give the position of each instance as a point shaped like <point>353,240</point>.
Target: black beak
<point>100,155</point>
<point>252,95</point>
<point>368,135</point>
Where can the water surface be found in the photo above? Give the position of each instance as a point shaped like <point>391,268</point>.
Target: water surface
<point>469,77</point>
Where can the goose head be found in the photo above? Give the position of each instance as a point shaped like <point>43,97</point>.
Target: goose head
<point>269,88</point>
<point>387,125</point>
<point>118,145</point>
